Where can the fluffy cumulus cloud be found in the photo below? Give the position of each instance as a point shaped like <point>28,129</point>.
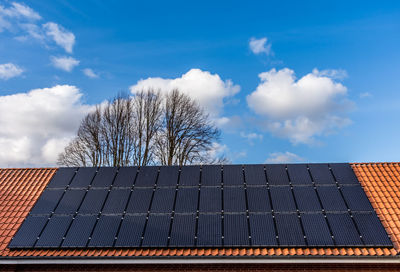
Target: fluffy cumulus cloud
<point>283,157</point>
<point>9,70</point>
<point>64,63</point>
<point>90,73</point>
<point>260,46</point>
<point>300,109</point>
<point>60,35</point>
<point>37,125</point>
<point>208,89</point>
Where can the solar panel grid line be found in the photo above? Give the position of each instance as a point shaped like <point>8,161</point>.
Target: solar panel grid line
<point>196,231</point>
<point>296,205</point>
<point>320,202</point>
<point>148,211</point>
<point>247,205</point>
<point>66,173</point>
<point>348,208</point>
<point>173,208</point>
<point>222,206</point>
<point>272,208</point>
<point>45,225</point>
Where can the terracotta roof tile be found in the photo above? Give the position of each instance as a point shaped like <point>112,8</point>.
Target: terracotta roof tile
<point>20,189</point>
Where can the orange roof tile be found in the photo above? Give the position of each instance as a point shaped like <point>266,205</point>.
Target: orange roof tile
<point>20,189</point>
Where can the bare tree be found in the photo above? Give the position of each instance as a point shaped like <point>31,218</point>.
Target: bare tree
<point>144,129</point>
<point>187,132</point>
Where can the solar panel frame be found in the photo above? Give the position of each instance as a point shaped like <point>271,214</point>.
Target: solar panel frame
<point>47,201</point>
<point>299,175</point>
<point>125,177</point>
<point>356,198</point>
<point>190,175</point>
<point>116,201</point>
<point>316,229</point>
<point>209,230</point>
<point>70,201</point>
<point>331,199</point>
<point>289,230</point>
<point>105,231</point>
<point>344,174</point>
<point>83,178</point>
<point>371,229</point>
<point>147,176</point>
<point>157,230</point>
<point>258,199</point>
<point>131,230</point>
<point>183,230</point>
<point>187,200</point>
<point>163,200</point>
<point>79,231</point>
<point>236,230</point>
<point>140,200</point>
<point>276,174</point>
<point>262,229</point>
<point>233,175</point>
<point>255,174</point>
<point>93,201</point>
<point>53,233</point>
<point>30,229</point>
<point>211,175</point>
<point>104,177</point>
<point>234,199</point>
<point>168,176</point>
<point>210,199</point>
<point>282,199</point>
<point>344,230</point>
<point>62,177</point>
<point>321,174</point>
<point>307,199</point>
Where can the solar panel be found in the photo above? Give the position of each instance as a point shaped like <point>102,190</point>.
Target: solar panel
<point>125,177</point>
<point>344,173</point>
<point>254,174</point>
<point>80,230</point>
<point>116,201</point>
<point>147,176</point>
<point>163,200</point>
<point>316,229</point>
<point>236,230</point>
<point>47,202</point>
<point>104,177</point>
<point>93,201</point>
<point>262,230</point>
<point>70,202</point>
<point>211,175</point>
<point>27,234</point>
<point>209,231</point>
<point>298,174</point>
<point>343,229</point>
<point>168,176</point>
<point>331,198</point>
<point>130,234</point>
<point>190,176</point>
<point>62,177</point>
<point>183,230</point>
<point>140,200</point>
<point>83,177</point>
<point>371,229</point>
<point>234,199</point>
<point>53,233</point>
<point>187,200</point>
<point>356,198</point>
<point>321,174</point>
<point>282,199</point>
<point>105,231</point>
<point>258,199</point>
<point>289,230</point>
<point>233,175</point>
<point>157,229</point>
<point>306,199</point>
<point>276,174</point>
<point>210,199</point>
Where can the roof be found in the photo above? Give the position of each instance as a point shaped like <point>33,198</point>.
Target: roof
<point>20,189</point>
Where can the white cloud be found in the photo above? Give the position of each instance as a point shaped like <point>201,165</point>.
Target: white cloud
<point>258,46</point>
<point>365,95</point>
<point>300,109</point>
<point>9,70</point>
<point>19,11</point>
<point>60,35</point>
<point>90,73</point>
<point>37,125</point>
<point>331,73</point>
<point>286,157</point>
<point>64,63</point>
<point>251,137</point>
<point>208,89</point>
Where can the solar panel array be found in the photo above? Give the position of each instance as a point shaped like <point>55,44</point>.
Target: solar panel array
<point>296,205</point>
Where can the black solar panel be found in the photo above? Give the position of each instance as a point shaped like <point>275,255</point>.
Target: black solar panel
<point>165,206</point>
<point>277,174</point>
<point>209,231</point>
<point>53,233</point>
<point>234,199</point>
<point>298,174</point>
<point>126,177</point>
<point>183,230</point>
<point>62,177</point>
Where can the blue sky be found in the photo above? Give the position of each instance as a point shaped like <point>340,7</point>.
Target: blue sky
<point>319,83</point>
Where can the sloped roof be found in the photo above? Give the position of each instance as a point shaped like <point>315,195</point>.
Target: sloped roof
<point>20,189</point>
